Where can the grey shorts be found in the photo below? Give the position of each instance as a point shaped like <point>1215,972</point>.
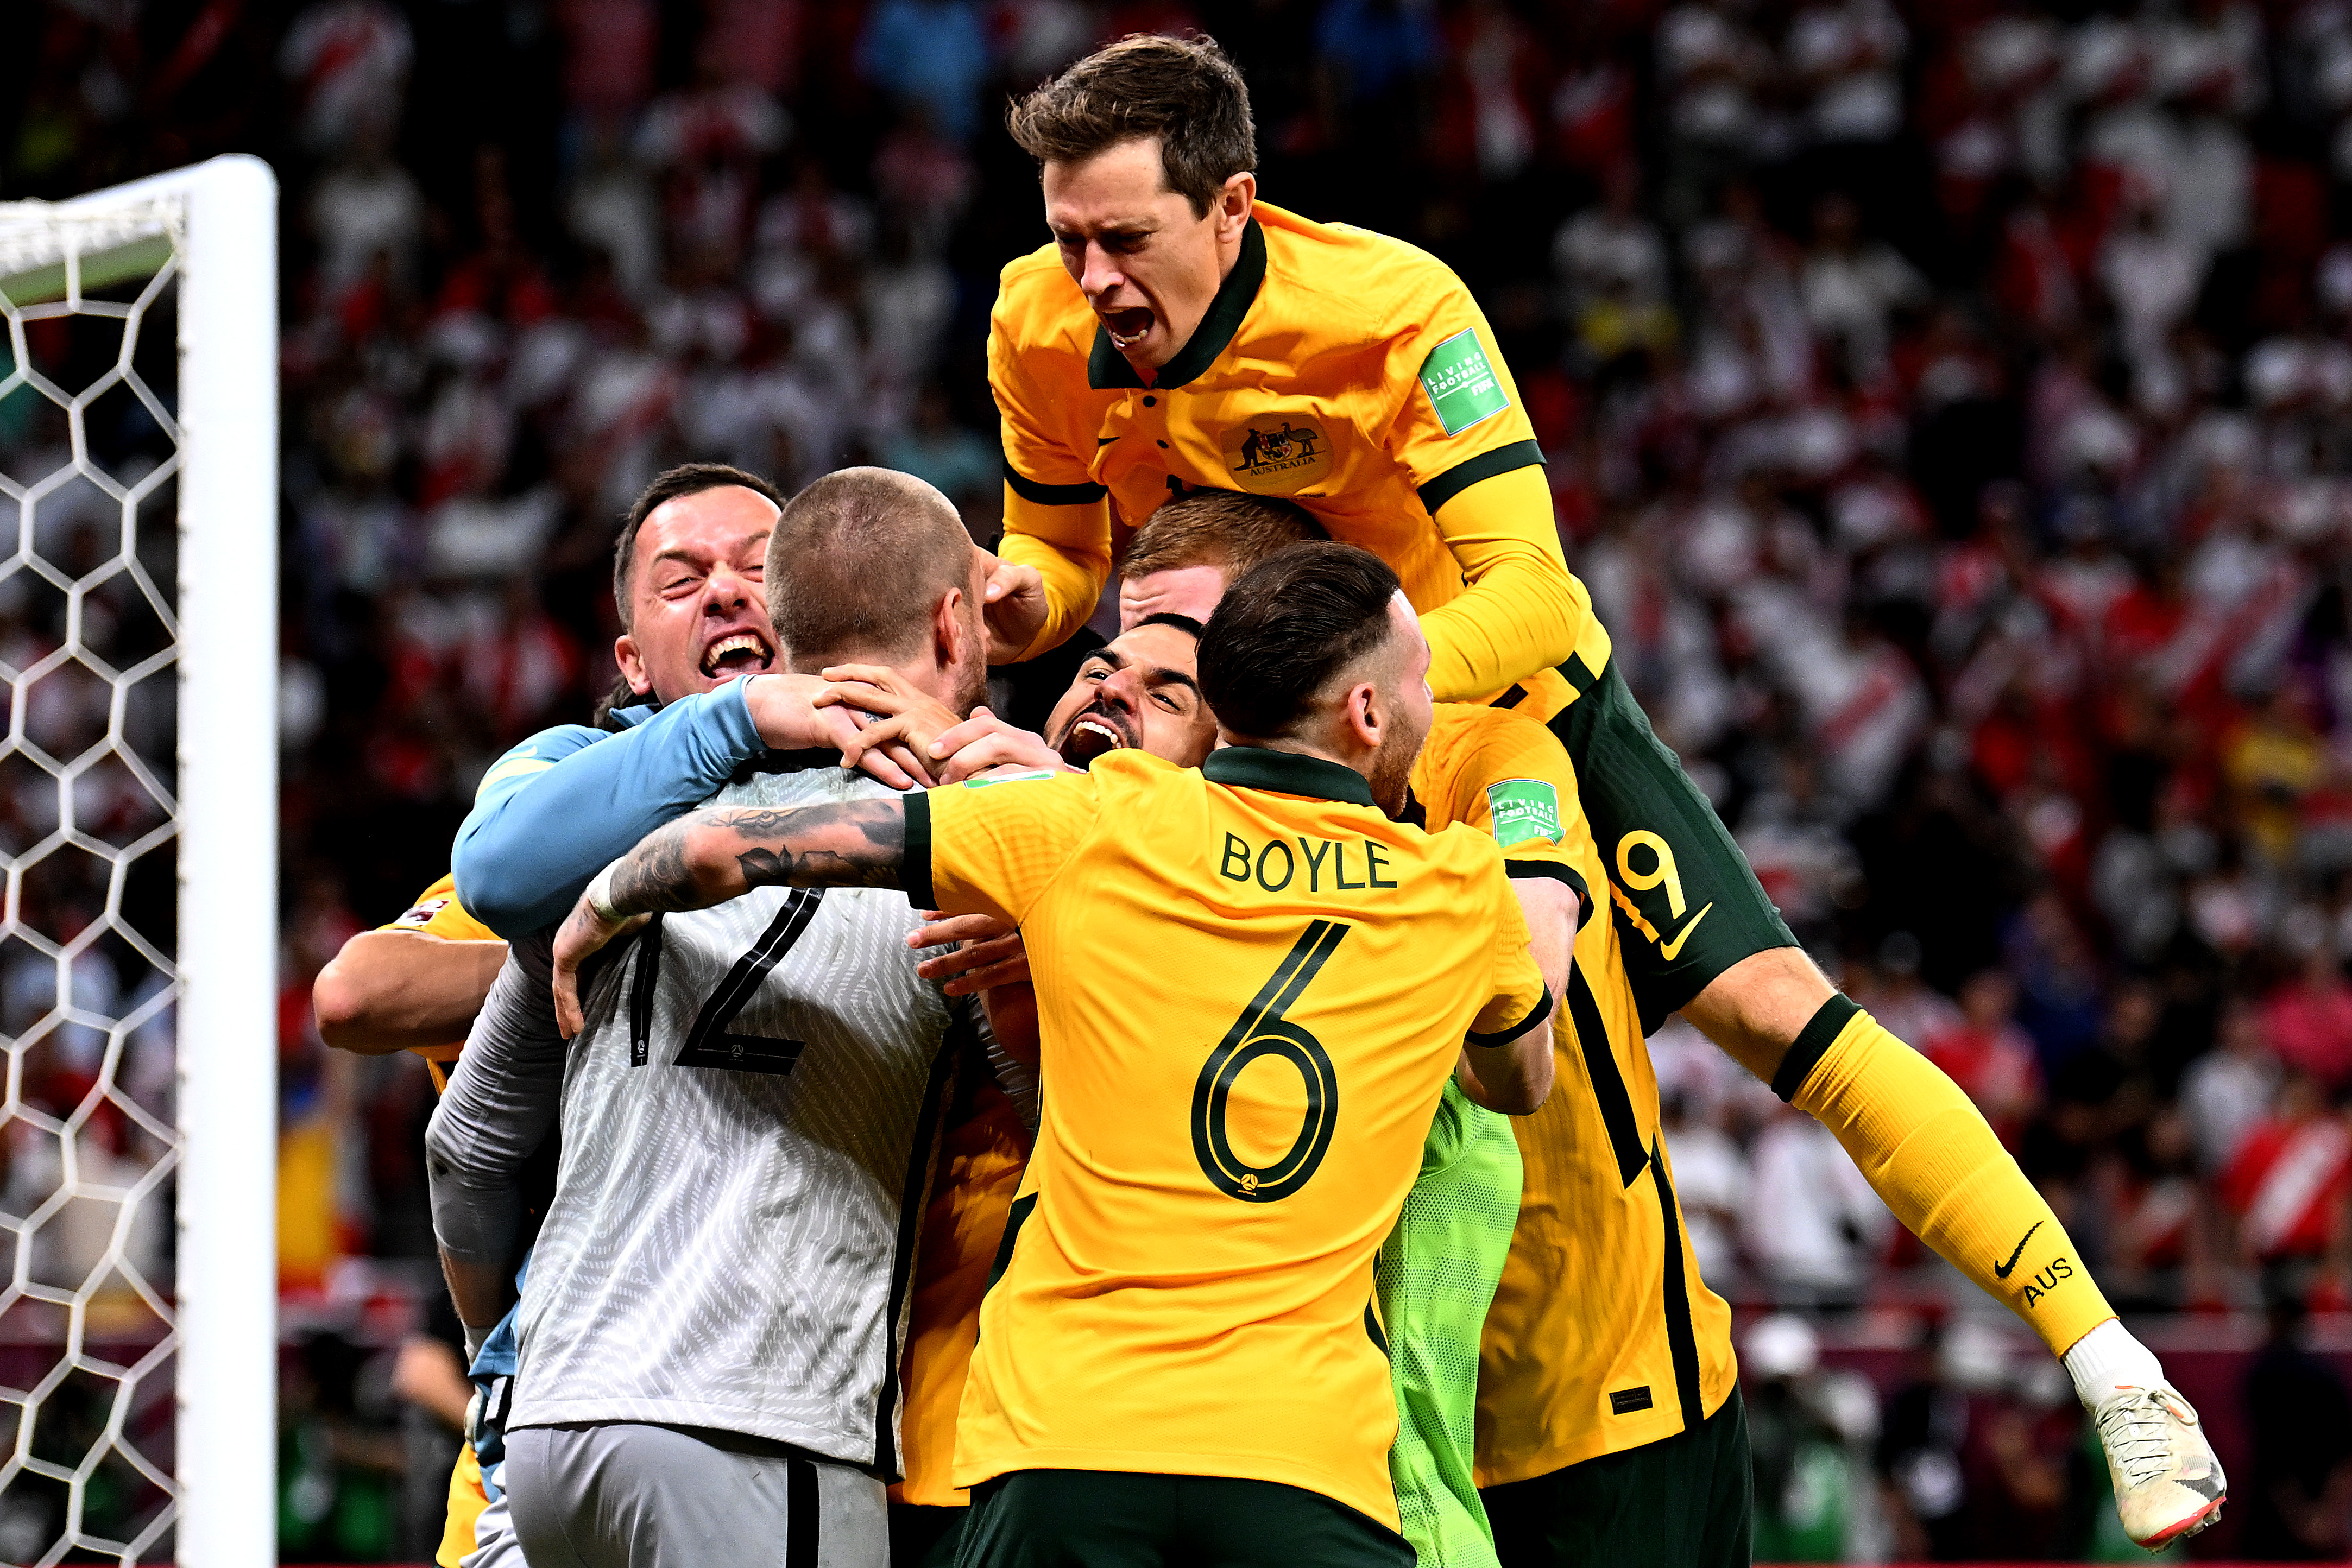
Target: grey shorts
<point>622,1495</point>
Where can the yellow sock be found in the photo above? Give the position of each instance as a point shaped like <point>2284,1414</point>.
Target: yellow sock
<point>1927,1152</point>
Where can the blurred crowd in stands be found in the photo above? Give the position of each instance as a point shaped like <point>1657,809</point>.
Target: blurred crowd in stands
<point>1948,401</point>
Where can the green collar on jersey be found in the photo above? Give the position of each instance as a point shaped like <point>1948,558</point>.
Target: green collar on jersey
<point>1106,367</point>
<point>1288,772</point>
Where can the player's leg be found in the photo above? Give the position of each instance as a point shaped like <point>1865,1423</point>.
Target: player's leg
<point>1436,1276</point>
<point>1072,1518</point>
<point>1685,1501</point>
<point>1224,1523</point>
<point>635,1496</point>
<point>1685,899</point>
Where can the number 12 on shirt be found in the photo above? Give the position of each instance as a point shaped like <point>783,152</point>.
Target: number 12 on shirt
<point>1262,1030</point>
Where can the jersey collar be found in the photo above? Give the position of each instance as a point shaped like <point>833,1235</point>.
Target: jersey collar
<point>1106,367</point>
<point>1289,773</point>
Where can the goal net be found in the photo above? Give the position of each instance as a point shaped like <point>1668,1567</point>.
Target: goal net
<point>138,784</point>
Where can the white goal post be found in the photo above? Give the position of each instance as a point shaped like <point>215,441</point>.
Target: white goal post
<point>201,241</point>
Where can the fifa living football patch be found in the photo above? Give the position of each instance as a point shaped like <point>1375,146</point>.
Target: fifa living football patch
<point>1017,776</point>
<point>1524,808</point>
<point>1460,382</point>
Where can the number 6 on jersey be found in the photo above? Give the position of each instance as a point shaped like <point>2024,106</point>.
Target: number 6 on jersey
<point>1262,1030</point>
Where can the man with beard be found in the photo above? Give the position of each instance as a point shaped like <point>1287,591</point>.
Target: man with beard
<point>1180,1359</point>
<point>687,568</point>
<point>710,1330</point>
<point>1172,318</point>
<point>1503,775</point>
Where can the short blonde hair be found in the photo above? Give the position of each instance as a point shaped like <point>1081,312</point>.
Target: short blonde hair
<point>1217,527</point>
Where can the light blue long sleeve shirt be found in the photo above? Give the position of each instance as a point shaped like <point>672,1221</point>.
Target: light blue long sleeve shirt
<point>561,806</point>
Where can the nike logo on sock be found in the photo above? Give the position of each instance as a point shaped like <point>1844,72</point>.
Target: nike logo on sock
<point>2001,1271</point>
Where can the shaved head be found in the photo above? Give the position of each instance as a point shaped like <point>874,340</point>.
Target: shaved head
<point>858,562</point>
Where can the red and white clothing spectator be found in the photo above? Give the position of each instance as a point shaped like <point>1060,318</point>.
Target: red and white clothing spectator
<point>2288,1185</point>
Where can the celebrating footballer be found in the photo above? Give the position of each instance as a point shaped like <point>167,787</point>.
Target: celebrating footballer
<point>1217,1127</point>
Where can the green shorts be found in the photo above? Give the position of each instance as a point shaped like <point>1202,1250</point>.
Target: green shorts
<point>1115,1519</point>
<point>1436,1275</point>
<point>1696,907</point>
<point>925,1535</point>
<point>1685,1502</point>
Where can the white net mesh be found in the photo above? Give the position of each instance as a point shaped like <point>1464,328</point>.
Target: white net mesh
<point>89,454</point>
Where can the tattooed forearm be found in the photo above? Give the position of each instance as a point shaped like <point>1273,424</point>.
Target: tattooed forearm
<point>857,844</point>
<point>654,875</point>
<point>719,855</point>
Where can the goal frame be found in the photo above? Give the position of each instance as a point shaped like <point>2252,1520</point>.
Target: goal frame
<point>225,1364</point>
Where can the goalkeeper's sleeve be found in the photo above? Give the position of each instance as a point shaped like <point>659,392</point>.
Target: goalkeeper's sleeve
<point>1929,1153</point>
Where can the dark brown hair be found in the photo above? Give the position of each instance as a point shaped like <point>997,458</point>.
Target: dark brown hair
<point>686,479</point>
<point>1183,91</point>
<point>1285,628</point>
<point>858,562</point>
<point>1217,527</point>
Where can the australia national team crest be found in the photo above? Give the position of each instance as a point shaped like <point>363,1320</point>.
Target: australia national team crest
<point>1277,453</point>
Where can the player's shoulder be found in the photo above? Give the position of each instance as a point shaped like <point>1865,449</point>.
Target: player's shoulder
<point>1131,771</point>
<point>1378,283</point>
<point>1467,739</point>
<point>1039,307</point>
<point>537,754</point>
<point>437,912</point>
<point>420,910</point>
<point>1463,852</point>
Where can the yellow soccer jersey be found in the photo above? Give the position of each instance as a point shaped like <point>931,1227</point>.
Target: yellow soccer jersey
<point>1252,987</point>
<point>981,1161</point>
<point>1349,371</point>
<point>1601,1336</point>
<point>437,913</point>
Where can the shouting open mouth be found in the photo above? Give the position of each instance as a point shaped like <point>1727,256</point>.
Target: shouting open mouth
<point>1128,326</point>
<point>1092,734</point>
<point>736,653</point>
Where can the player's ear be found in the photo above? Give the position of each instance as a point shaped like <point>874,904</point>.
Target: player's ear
<point>1366,714</point>
<point>633,664</point>
<point>949,633</point>
<point>1234,204</point>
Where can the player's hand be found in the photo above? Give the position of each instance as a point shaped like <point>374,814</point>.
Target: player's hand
<point>1014,604</point>
<point>892,716</point>
<point>783,711</point>
<point>791,713</point>
<point>988,953</point>
<point>985,741</point>
<point>583,934</point>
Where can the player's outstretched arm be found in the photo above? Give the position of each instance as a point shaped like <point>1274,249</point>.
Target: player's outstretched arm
<point>1516,1079</point>
<point>1524,611</point>
<point>1512,1075</point>
<point>562,804</point>
<point>392,990</point>
<point>714,855</point>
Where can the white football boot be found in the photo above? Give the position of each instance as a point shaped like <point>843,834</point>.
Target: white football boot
<point>2168,1482</point>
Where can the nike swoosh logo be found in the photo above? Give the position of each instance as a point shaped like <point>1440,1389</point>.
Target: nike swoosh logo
<point>1671,950</point>
<point>1105,440</point>
<point>2001,1271</point>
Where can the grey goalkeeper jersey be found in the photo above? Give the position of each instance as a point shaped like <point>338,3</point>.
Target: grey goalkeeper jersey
<point>749,1122</point>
